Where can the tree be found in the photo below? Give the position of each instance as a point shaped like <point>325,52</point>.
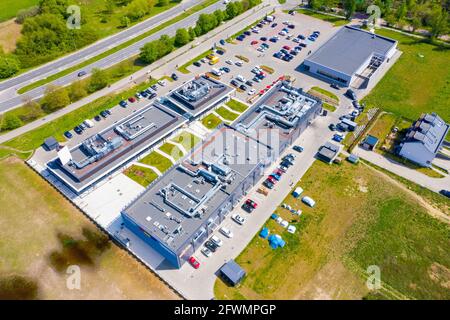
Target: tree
<point>232,10</point>
<point>438,22</point>
<point>125,22</point>
<point>54,98</point>
<point>32,110</point>
<point>137,9</point>
<point>9,65</point>
<point>416,23</point>
<point>99,79</point>
<point>402,11</point>
<point>11,122</point>
<point>149,52</point>
<point>192,34</point>
<point>350,7</point>
<point>163,3</point>
<point>182,37</point>
<point>77,90</point>
<point>220,16</point>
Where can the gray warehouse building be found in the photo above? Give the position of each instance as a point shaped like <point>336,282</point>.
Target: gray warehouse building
<point>350,57</point>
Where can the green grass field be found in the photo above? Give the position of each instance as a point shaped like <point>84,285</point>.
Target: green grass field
<point>418,82</point>
<point>336,21</point>
<point>237,106</point>
<point>187,140</point>
<point>172,150</point>
<point>360,219</point>
<point>211,121</point>
<point>143,176</point>
<point>158,161</point>
<point>9,8</point>
<point>226,114</point>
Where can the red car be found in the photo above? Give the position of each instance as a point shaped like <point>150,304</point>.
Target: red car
<point>253,42</point>
<point>194,262</point>
<point>251,203</point>
<point>272,179</point>
<point>278,172</point>
<point>132,99</point>
<point>286,47</point>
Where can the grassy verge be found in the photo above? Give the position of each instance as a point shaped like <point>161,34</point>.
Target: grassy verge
<point>107,53</point>
<point>237,106</point>
<point>328,107</point>
<point>359,216</point>
<point>34,138</point>
<point>9,8</point>
<point>143,176</point>
<point>183,68</point>
<point>158,161</point>
<point>187,140</point>
<point>172,150</point>
<point>336,21</point>
<point>211,121</point>
<point>418,82</point>
<point>226,114</point>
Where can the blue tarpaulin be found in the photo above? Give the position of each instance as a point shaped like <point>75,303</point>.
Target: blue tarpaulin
<point>274,216</point>
<point>276,241</point>
<point>264,233</point>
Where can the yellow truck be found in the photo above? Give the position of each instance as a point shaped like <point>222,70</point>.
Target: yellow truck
<point>213,59</point>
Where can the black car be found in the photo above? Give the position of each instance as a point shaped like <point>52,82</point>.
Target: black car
<point>445,193</point>
<point>174,76</point>
<point>82,73</point>
<point>153,95</point>
<point>97,118</point>
<point>144,94</point>
<point>286,163</point>
<point>332,127</point>
<point>221,52</point>
<point>351,94</point>
<point>247,33</point>
<point>243,87</point>
<point>274,25</point>
<point>302,45</point>
<point>268,184</point>
<point>108,112</point>
<point>78,130</point>
<point>68,135</point>
<point>226,69</point>
<point>301,37</point>
<point>249,83</point>
<point>104,114</point>
<point>335,86</point>
<point>197,64</point>
<point>154,87</point>
<point>211,246</point>
<point>234,83</point>
<point>263,39</point>
<point>291,26</point>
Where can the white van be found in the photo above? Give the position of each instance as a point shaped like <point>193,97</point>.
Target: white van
<point>240,78</point>
<point>216,72</point>
<point>89,123</point>
<point>270,18</point>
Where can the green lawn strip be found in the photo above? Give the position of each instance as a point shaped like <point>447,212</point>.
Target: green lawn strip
<point>187,140</point>
<point>58,75</point>
<point>9,8</point>
<point>418,82</point>
<point>6,152</point>
<point>328,107</point>
<point>211,121</point>
<point>143,176</point>
<point>34,138</point>
<point>327,93</point>
<point>376,223</point>
<point>336,21</point>
<point>226,114</point>
<point>183,68</point>
<point>172,150</point>
<point>158,161</point>
<point>236,106</point>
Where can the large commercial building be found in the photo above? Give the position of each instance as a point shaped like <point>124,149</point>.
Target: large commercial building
<point>98,156</point>
<point>424,139</point>
<point>181,209</point>
<point>351,56</point>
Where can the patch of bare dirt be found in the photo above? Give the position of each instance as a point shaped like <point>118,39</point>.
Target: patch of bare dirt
<point>9,34</point>
<point>440,274</point>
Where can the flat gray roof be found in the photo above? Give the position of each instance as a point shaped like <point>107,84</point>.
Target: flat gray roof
<point>349,48</point>
<point>174,208</point>
<point>103,152</point>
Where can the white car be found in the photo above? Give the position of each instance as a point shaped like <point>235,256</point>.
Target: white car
<point>226,232</point>
<point>138,95</point>
<point>240,78</point>
<point>238,219</point>
<point>216,240</point>
<point>229,62</point>
<point>162,83</point>
<point>260,49</point>
<point>282,33</point>
<point>251,91</point>
<point>238,63</point>
<point>309,201</point>
<point>206,252</point>
<point>296,40</point>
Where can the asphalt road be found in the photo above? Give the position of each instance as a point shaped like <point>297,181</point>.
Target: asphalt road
<point>7,102</point>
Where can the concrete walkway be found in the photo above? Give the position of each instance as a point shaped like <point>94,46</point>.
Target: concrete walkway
<point>140,164</point>
<point>434,184</point>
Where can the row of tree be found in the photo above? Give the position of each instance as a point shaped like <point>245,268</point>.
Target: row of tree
<point>431,15</point>
<point>156,49</point>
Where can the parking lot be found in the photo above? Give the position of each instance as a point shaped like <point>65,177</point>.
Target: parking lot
<point>248,48</point>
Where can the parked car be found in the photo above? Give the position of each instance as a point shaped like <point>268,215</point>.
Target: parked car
<point>226,69</point>
<point>243,87</point>
<point>174,76</point>
<point>104,114</point>
<point>206,252</point>
<point>301,37</point>
<point>153,95</point>
<point>298,148</point>
<point>197,64</point>
<point>138,95</point>
<point>238,63</point>
<point>247,33</point>
<point>211,246</point>
<point>251,91</point>
<point>78,130</point>
<point>351,94</point>
<point>220,52</point>
<point>249,83</point>
<point>162,83</point>
<point>263,38</point>
<point>254,42</point>
<point>268,184</point>
<point>216,240</point>
<point>234,83</point>
<point>334,86</point>
<point>222,42</point>
<point>332,127</point>
<point>68,135</point>
<point>144,93</point>
<point>97,118</point>
<point>226,232</point>
<point>238,219</point>
<point>194,262</point>
<point>445,193</point>
<point>229,62</point>
<point>274,25</point>
<point>132,99</point>
<point>154,87</point>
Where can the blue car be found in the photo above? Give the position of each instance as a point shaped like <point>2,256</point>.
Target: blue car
<point>78,130</point>
<point>123,103</point>
<point>276,176</point>
<point>338,137</point>
<point>68,135</point>
<point>298,148</point>
<point>222,42</point>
